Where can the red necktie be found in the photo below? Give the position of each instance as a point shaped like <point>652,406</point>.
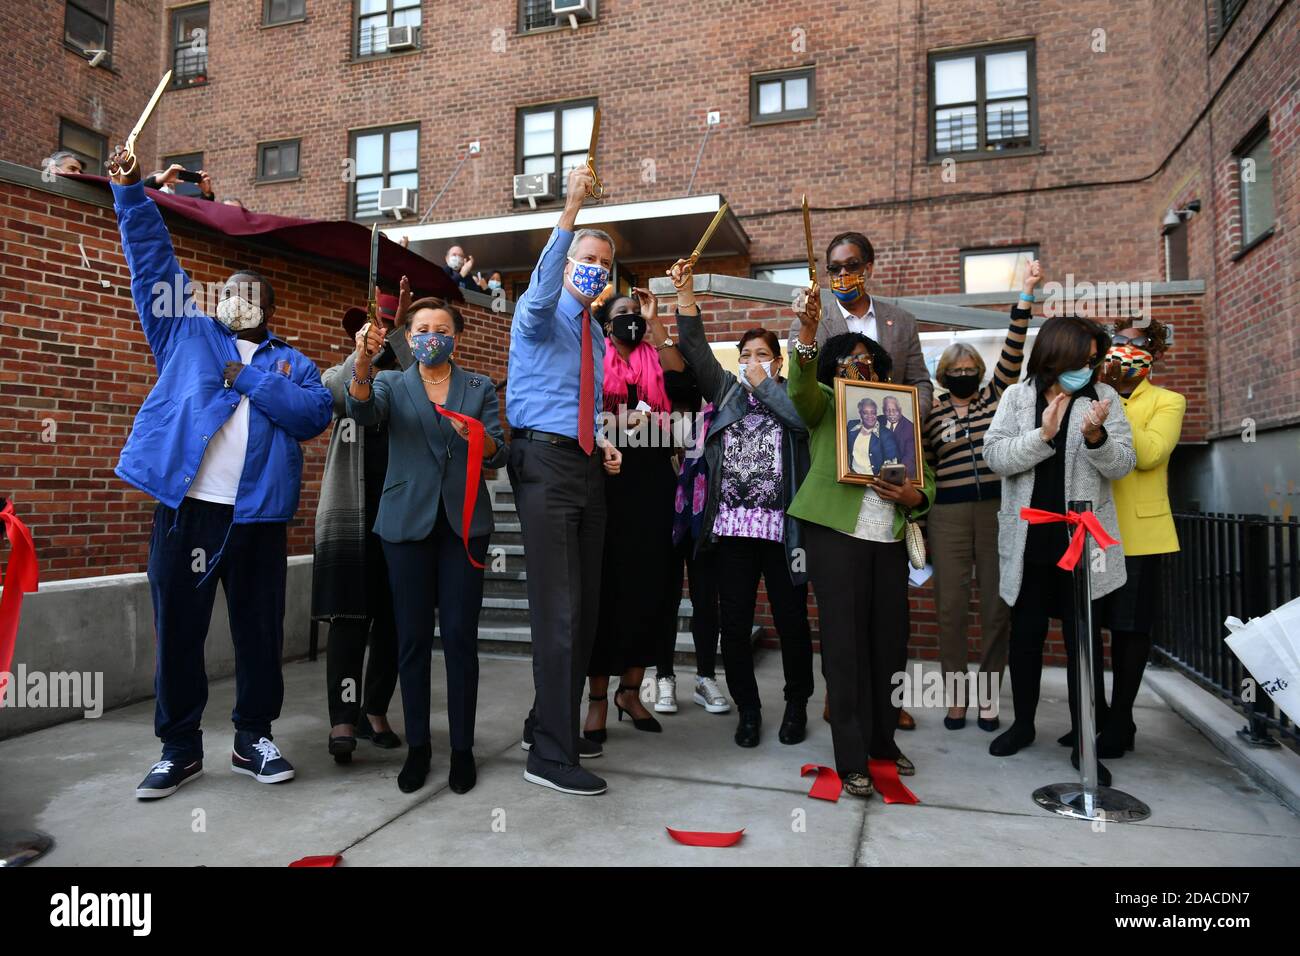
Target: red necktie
<point>586,390</point>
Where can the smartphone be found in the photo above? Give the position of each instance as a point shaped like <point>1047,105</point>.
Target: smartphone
<point>894,474</point>
<point>186,176</point>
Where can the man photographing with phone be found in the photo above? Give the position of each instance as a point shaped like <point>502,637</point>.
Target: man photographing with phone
<point>166,180</point>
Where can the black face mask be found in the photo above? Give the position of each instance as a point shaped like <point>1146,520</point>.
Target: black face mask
<point>629,328</point>
<point>963,386</point>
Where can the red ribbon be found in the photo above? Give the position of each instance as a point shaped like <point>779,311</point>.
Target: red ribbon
<point>473,467</point>
<point>21,579</point>
<point>1086,519</point>
<point>884,776</point>
<point>331,860</point>
<point>827,786</point>
<point>704,838</point>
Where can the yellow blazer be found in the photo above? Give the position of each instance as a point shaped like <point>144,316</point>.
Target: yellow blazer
<point>1146,524</point>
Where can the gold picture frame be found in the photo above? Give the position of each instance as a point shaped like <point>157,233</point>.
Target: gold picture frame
<point>884,446</point>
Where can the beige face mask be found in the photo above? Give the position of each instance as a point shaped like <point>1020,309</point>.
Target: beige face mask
<point>237,314</point>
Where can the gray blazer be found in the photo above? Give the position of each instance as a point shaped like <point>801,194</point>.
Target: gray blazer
<point>897,335</point>
<point>426,458</point>
<point>1013,446</point>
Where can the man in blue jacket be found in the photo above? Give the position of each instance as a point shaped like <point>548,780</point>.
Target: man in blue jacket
<point>216,443</point>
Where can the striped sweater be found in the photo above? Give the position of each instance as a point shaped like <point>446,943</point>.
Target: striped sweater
<point>954,446</point>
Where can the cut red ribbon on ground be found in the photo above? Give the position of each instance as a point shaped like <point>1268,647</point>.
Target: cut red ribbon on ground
<point>828,784</point>
<point>884,777</point>
<point>705,838</point>
<point>331,860</point>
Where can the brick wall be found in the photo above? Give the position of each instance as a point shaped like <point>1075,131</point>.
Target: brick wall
<point>79,369</point>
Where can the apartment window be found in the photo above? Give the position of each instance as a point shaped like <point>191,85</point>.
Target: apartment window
<point>996,270</point>
<point>190,46</point>
<point>1255,181</point>
<point>283,11</point>
<point>87,145</point>
<point>554,139</point>
<point>385,158</point>
<point>374,17</point>
<point>788,273</point>
<point>778,97</point>
<point>88,25</point>
<point>278,160</point>
<point>191,161</point>
<point>540,15</point>
<point>982,101</point>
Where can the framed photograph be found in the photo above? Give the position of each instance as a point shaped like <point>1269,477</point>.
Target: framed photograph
<point>878,425</point>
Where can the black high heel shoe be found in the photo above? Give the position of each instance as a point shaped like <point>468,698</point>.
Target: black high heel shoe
<point>954,723</point>
<point>341,748</point>
<point>648,724</point>
<point>599,735</point>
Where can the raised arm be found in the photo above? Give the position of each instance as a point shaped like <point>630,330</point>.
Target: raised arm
<point>535,311</point>
<point>1012,359</point>
<point>809,401</point>
<point>709,373</point>
<point>160,288</point>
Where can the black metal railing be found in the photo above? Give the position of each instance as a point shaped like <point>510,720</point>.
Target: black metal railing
<point>1228,566</point>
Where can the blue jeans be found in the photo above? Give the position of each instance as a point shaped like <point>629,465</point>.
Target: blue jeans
<point>192,548</point>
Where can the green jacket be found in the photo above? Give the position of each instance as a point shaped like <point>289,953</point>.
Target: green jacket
<point>821,499</point>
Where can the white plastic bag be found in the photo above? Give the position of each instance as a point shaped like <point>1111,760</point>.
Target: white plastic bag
<point>1269,647</point>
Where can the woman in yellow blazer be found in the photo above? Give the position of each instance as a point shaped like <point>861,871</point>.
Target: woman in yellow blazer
<point>1146,524</point>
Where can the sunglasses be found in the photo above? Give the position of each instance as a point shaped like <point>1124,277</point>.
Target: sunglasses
<point>1137,341</point>
<point>835,268</point>
<point>1095,360</point>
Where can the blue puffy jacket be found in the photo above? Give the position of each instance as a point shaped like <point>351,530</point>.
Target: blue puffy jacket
<point>190,402</point>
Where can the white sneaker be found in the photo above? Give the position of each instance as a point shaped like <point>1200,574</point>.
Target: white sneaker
<point>666,703</point>
<point>709,697</point>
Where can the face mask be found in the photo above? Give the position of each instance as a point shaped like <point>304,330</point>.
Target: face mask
<point>849,286</point>
<point>1128,363</point>
<point>237,314</point>
<point>455,261</point>
<point>589,278</point>
<point>859,370</point>
<point>432,348</point>
<point>1075,379</point>
<point>740,373</point>
<point>629,328</point>
<point>493,284</point>
<point>963,386</point>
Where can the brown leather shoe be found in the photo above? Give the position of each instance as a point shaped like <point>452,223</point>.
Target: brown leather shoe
<point>905,720</point>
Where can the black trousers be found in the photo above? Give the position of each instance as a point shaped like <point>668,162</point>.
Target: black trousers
<point>1047,592</point>
<point>560,497</point>
<point>740,564</point>
<point>702,583</point>
<point>192,549</point>
<point>345,649</point>
<point>863,623</point>
<point>429,574</point>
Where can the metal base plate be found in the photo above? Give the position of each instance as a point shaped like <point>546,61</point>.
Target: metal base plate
<point>1109,805</point>
<point>18,847</point>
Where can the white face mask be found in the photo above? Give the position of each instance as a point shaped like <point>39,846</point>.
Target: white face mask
<point>237,314</point>
<point>740,374</point>
<point>455,261</point>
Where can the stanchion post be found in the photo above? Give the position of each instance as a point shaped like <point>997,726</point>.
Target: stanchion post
<point>1084,664</point>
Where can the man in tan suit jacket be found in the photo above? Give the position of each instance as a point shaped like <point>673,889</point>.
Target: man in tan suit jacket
<point>850,260</point>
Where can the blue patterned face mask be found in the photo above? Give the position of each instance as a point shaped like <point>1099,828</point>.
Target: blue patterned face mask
<point>589,278</point>
<point>432,348</point>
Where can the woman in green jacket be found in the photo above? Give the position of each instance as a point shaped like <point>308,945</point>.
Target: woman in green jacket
<point>857,560</point>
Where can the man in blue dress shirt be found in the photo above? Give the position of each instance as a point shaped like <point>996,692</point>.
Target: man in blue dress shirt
<point>557,464</point>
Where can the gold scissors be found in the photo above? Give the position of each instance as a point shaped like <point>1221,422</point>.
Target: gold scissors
<point>129,146</point>
<point>708,234</point>
<point>597,187</point>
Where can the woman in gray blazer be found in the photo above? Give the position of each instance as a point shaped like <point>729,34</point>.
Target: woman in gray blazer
<point>1057,437</point>
<point>426,545</point>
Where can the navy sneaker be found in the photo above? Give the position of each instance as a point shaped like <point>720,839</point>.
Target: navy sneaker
<point>166,777</point>
<point>256,756</point>
<point>587,749</point>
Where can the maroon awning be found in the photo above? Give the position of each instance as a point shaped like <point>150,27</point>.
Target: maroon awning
<point>346,243</point>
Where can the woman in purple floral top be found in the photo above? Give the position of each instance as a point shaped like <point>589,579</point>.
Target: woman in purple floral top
<point>755,455</point>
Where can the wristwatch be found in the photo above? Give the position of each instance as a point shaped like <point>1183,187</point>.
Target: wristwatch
<point>665,344</point>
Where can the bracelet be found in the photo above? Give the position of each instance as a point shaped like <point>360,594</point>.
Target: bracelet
<point>805,352</point>
<point>1027,297</point>
<point>368,380</point>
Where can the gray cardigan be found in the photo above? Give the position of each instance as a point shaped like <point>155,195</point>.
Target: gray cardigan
<point>1013,446</point>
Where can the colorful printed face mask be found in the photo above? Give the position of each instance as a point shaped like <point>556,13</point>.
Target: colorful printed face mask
<point>1128,362</point>
<point>237,314</point>
<point>857,368</point>
<point>432,348</point>
<point>849,286</point>
<point>589,278</point>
